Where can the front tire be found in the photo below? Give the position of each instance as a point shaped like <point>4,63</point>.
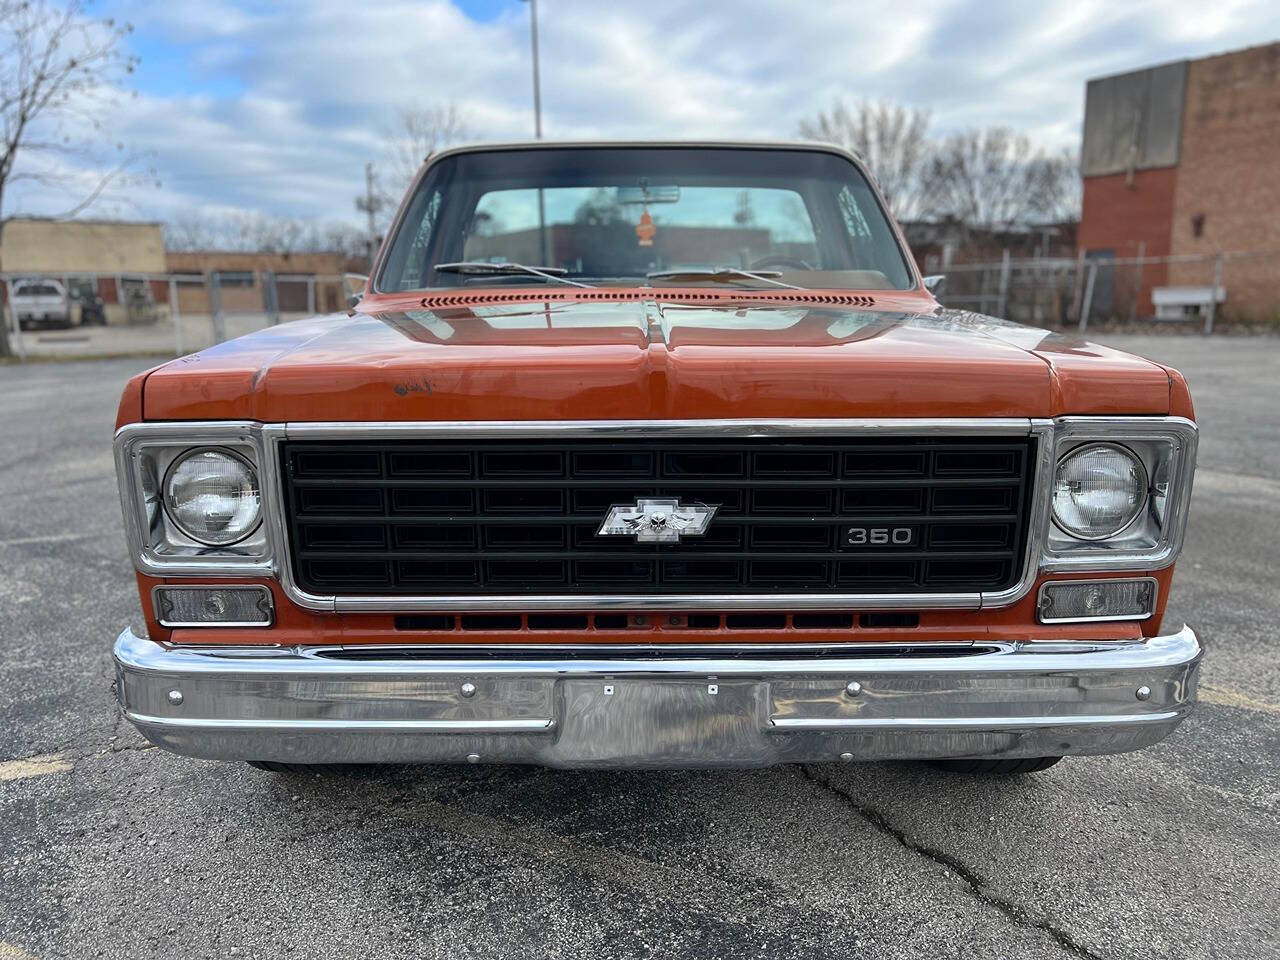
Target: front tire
<point>996,768</point>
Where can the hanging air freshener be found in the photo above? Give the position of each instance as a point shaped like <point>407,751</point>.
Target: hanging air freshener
<point>645,229</point>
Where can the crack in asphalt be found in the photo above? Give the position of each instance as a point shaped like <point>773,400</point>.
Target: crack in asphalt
<point>67,754</point>
<point>86,755</point>
<point>977,885</point>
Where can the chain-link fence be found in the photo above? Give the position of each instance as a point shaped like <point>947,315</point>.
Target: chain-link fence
<point>170,313</point>
<point>1202,291</point>
<point>178,313</point>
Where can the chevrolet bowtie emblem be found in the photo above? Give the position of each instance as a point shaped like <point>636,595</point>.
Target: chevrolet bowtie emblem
<point>657,520</point>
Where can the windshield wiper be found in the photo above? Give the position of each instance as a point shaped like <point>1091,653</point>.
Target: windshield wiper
<point>721,275</point>
<point>509,269</point>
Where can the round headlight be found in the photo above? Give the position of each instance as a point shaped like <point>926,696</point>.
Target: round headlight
<point>1100,489</point>
<point>212,495</point>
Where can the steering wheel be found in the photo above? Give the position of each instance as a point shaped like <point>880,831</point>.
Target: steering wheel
<point>780,261</point>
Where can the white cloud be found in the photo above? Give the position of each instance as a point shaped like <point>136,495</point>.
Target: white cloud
<point>296,94</point>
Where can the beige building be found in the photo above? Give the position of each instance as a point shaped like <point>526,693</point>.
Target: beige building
<point>81,247</point>
<point>126,265</point>
<point>108,257</point>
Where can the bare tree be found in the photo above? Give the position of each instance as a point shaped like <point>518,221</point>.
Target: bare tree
<point>271,234</point>
<point>58,71</point>
<point>892,139</point>
<point>340,238</point>
<point>1064,187</point>
<point>420,134</point>
<point>191,233</point>
<point>995,178</point>
<point>253,232</point>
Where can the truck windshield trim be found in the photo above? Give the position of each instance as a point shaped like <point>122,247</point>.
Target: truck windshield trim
<point>806,218</point>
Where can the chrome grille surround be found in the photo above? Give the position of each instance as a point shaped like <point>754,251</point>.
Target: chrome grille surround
<point>802,514</point>
<point>273,435</point>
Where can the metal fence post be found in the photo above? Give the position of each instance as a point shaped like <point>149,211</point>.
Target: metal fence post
<point>1213,294</point>
<point>1002,299</point>
<point>19,344</point>
<point>1137,281</point>
<point>271,294</point>
<point>175,314</point>
<point>215,308</point>
<point>311,296</point>
<point>20,348</point>
<point>1077,283</point>
<point>1087,303</point>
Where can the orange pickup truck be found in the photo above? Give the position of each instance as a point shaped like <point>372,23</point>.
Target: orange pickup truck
<point>654,454</point>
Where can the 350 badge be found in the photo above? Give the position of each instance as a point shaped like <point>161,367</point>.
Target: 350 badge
<point>880,536</point>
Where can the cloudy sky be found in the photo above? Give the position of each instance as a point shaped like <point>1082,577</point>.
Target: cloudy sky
<point>276,106</point>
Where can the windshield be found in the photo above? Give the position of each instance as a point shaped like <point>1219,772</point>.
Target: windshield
<point>615,215</point>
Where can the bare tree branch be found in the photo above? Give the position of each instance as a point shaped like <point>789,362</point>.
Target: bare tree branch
<point>99,188</point>
<point>243,231</point>
<point>994,179</point>
<point>421,133</point>
<point>54,58</point>
<point>985,179</point>
<point>892,140</point>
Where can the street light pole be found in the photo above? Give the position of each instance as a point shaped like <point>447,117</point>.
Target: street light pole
<point>537,127</point>
<point>537,85</point>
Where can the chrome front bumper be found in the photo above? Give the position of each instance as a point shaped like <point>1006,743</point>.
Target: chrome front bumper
<point>630,708</point>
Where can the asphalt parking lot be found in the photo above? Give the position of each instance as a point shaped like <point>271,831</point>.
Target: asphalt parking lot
<point>109,848</point>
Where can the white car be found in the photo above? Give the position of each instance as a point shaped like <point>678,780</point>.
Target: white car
<point>41,303</point>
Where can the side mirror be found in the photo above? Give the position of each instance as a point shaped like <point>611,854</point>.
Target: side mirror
<point>934,282</point>
<point>353,285</point>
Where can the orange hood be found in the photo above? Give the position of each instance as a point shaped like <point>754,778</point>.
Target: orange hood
<point>634,358</point>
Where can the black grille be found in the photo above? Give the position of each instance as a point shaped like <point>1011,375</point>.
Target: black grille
<point>808,515</point>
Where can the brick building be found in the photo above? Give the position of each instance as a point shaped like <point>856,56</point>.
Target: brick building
<point>1183,159</point>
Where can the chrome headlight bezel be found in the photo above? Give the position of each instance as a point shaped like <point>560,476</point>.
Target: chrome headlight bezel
<point>145,453</point>
<point>1166,449</point>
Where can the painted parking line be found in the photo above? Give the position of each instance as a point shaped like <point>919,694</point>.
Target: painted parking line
<point>9,952</point>
<point>1241,701</point>
<point>48,538</point>
<point>38,766</point>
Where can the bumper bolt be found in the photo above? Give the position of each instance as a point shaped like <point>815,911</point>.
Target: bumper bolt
<point>473,758</point>
<point>468,689</point>
<point>1143,692</point>
<point>175,697</point>
<point>853,688</point>
<point>846,757</point>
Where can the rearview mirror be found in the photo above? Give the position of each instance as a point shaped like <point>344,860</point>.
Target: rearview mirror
<point>648,193</point>
<point>933,283</point>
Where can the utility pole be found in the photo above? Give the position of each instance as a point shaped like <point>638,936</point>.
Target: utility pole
<point>370,204</point>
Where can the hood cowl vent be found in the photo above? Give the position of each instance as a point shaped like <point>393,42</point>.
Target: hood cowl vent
<point>470,299</point>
